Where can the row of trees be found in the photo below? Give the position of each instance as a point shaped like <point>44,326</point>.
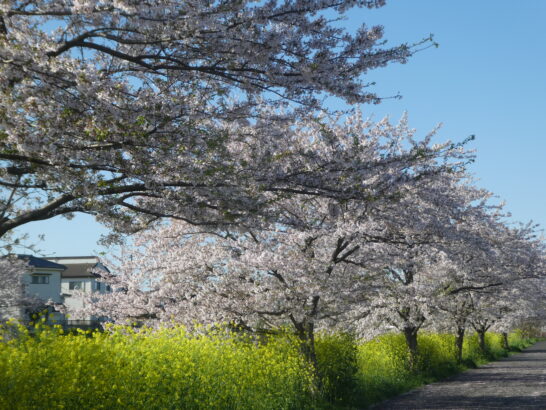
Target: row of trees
<point>427,249</point>
<point>278,213</point>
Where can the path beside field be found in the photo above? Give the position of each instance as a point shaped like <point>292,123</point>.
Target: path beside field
<point>515,382</point>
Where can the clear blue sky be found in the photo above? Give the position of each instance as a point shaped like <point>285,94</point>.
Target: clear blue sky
<point>487,78</point>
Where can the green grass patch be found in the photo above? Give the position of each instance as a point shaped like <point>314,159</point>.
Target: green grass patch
<point>383,362</point>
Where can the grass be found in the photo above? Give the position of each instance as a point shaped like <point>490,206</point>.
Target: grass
<point>383,362</point>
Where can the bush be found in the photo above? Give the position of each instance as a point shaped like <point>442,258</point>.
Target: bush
<point>518,341</point>
<point>383,368</point>
<point>438,355</point>
<point>338,364</point>
<point>471,350</point>
<point>495,349</point>
<point>473,355</point>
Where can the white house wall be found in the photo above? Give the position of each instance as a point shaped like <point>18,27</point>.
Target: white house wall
<point>74,302</point>
<point>75,260</point>
<point>57,290</point>
<point>44,291</point>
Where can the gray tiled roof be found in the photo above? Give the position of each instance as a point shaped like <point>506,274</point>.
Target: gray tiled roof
<point>80,270</point>
<point>41,263</point>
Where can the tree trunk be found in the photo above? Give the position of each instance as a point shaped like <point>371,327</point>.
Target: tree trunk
<point>505,344</point>
<point>481,337</point>
<point>410,334</point>
<point>459,340</point>
<point>306,335</point>
<point>308,346</point>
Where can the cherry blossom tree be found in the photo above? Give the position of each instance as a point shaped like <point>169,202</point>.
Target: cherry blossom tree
<point>13,296</point>
<point>404,259</point>
<point>311,267</point>
<point>490,275</point>
<point>157,109</point>
<point>520,270</point>
<point>443,242</point>
<point>259,281</point>
<point>455,311</point>
<point>475,264</point>
<point>11,286</point>
<point>405,300</point>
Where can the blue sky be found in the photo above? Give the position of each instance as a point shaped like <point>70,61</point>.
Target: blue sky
<point>487,78</point>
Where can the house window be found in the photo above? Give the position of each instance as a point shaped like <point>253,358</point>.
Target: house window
<point>108,288</point>
<point>74,285</point>
<point>97,287</point>
<point>40,279</point>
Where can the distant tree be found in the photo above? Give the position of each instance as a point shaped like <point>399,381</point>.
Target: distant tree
<point>445,242</point>
<point>13,296</point>
<point>494,282</point>
<point>520,271</point>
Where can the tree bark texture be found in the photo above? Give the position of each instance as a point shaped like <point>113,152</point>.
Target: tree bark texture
<point>410,333</point>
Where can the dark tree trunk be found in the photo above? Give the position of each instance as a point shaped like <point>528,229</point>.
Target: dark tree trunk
<point>481,338</point>
<point>306,335</point>
<point>410,334</point>
<point>305,330</point>
<point>308,345</point>
<point>459,340</point>
<point>505,344</point>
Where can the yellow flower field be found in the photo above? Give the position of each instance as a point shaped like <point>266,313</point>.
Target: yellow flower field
<point>171,368</point>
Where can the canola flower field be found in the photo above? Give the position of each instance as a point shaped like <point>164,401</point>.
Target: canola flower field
<point>171,368</point>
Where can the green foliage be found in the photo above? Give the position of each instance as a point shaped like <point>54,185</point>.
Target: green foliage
<point>493,341</point>
<point>494,348</point>
<point>383,368</point>
<point>519,340</point>
<point>471,350</point>
<point>438,355</point>
<point>337,358</point>
<point>150,369</point>
<point>383,362</point>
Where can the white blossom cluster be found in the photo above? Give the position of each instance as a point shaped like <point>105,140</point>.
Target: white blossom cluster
<point>12,291</point>
<point>133,110</point>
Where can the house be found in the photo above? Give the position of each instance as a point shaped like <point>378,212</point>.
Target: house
<point>80,277</point>
<point>56,280</point>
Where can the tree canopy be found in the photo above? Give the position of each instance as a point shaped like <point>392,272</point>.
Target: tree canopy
<point>124,109</point>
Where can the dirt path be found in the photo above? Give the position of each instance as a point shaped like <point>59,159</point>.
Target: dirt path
<point>516,382</point>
